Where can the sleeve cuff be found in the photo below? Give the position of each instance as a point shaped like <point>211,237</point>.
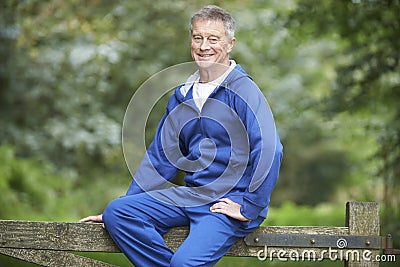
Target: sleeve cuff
<point>250,210</point>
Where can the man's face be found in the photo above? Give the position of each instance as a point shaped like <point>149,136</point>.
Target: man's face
<point>209,43</point>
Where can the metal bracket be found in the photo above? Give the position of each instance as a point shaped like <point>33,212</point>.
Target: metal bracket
<point>314,241</point>
<point>323,241</point>
<point>388,246</point>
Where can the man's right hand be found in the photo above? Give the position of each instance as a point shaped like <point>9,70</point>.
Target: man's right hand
<point>93,218</point>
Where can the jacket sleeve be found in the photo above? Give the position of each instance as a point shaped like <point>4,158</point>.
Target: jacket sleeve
<point>255,202</point>
<point>265,150</point>
<point>155,170</point>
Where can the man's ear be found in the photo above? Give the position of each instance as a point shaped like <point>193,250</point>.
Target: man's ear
<point>231,44</point>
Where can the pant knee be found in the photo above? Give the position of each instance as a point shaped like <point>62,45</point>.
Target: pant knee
<point>119,215</point>
<point>111,214</point>
<point>184,259</point>
<point>178,260</point>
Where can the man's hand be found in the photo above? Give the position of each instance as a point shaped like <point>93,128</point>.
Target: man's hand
<point>93,218</point>
<point>229,208</point>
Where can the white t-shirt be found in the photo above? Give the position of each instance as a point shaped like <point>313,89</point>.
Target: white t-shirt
<point>201,91</point>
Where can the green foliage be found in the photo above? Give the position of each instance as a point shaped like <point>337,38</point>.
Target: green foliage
<point>30,189</point>
<point>313,169</point>
<point>368,79</point>
<point>290,214</point>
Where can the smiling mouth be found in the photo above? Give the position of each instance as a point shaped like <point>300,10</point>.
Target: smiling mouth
<point>205,55</point>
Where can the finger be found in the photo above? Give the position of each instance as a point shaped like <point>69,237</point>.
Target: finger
<point>92,218</point>
<point>219,210</point>
<point>219,205</point>
<point>226,200</point>
<point>86,219</point>
<point>89,219</point>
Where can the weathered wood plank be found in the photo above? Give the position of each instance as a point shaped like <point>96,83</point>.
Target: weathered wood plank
<point>52,258</point>
<point>175,237</point>
<point>47,243</point>
<point>362,218</point>
<point>55,236</point>
<point>92,237</point>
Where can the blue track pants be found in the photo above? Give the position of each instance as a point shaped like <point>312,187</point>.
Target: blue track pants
<point>138,222</point>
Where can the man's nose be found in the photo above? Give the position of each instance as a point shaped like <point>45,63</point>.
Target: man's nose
<point>205,44</point>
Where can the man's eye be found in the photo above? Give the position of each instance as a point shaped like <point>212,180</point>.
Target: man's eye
<point>197,38</point>
<point>213,40</point>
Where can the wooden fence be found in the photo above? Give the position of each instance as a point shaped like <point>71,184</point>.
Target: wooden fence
<point>357,244</point>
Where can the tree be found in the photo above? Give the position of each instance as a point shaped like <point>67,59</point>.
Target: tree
<point>368,76</point>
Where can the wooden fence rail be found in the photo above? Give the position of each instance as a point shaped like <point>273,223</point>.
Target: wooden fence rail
<point>358,243</point>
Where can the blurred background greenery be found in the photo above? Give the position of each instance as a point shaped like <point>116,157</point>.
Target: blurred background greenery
<point>329,69</point>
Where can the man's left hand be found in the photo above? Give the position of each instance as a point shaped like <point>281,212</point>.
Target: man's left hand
<point>229,208</point>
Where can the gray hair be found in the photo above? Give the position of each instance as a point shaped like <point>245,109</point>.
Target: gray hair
<point>212,12</point>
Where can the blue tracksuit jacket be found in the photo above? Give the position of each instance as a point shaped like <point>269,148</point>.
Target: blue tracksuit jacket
<point>228,149</point>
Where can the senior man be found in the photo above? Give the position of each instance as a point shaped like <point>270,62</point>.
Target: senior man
<point>230,151</point>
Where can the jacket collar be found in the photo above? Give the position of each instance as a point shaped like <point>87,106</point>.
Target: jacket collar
<point>235,74</point>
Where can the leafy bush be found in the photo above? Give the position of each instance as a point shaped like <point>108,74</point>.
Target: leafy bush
<point>299,215</point>
<point>30,189</point>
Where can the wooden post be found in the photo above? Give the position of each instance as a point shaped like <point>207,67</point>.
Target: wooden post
<point>362,218</point>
